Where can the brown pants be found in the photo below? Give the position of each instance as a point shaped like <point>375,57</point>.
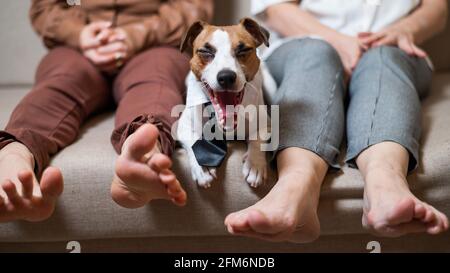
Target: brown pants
<point>69,89</point>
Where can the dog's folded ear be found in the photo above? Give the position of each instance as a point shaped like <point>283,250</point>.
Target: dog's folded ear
<point>194,30</point>
<point>258,32</point>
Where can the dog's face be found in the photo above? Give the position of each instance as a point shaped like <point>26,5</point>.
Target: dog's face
<point>224,59</point>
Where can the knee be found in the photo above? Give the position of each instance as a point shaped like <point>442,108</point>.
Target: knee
<point>166,57</point>
<point>165,65</point>
<point>314,53</point>
<point>384,55</point>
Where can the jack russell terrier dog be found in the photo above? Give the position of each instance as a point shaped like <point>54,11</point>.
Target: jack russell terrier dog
<point>226,74</point>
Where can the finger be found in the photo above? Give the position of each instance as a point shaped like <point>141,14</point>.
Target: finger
<point>369,40</point>
<point>11,192</point>
<point>100,59</point>
<point>26,179</point>
<point>386,40</point>
<point>117,37</point>
<point>419,52</point>
<point>103,36</point>
<point>363,35</point>
<point>405,45</point>
<point>99,25</point>
<point>113,48</point>
<point>355,62</point>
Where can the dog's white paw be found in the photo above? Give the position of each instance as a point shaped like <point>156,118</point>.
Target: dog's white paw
<point>204,176</point>
<point>255,168</point>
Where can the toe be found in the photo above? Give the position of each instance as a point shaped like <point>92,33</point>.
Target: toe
<point>26,179</point>
<point>430,216</point>
<point>239,222</point>
<point>141,142</point>
<point>52,183</point>
<point>160,162</point>
<point>11,192</point>
<point>180,199</point>
<point>414,226</point>
<point>168,178</point>
<point>420,211</point>
<point>229,218</point>
<point>445,221</point>
<point>175,191</point>
<point>402,213</point>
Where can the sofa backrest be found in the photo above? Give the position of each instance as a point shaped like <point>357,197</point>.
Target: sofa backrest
<point>21,49</point>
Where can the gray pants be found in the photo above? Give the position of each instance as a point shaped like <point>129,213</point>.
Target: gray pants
<point>383,102</point>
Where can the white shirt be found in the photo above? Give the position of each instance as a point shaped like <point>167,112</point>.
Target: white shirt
<point>349,17</point>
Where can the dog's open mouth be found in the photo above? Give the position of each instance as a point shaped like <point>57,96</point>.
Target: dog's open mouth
<point>220,100</point>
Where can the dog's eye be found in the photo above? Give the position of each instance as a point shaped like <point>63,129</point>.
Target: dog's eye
<point>244,51</point>
<point>206,53</point>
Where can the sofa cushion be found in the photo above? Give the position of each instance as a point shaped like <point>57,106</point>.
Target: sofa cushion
<point>86,210</point>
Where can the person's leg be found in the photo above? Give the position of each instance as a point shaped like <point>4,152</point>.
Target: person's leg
<point>147,89</point>
<point>311,94</point>
<point>383,130</point>
<point>68,88</point>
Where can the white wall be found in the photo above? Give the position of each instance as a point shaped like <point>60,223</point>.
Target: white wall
<point>21,50</point>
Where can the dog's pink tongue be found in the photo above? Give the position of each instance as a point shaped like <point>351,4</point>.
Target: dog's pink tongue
<point>224,99</point>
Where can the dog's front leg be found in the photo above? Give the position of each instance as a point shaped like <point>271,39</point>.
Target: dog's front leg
<point>188,132</point>
<point>255,164</point>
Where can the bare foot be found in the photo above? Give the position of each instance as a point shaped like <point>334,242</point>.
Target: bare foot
<point>143,172</point>
<point>21,195</point>
<point>287,213</point>
<point>391,210</point>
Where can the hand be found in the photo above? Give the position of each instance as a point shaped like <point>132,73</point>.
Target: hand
<point>396,36</point>
<point>105,47</point>
<point>350,50</point>
<point>95,34</point>
<point>116,47</point>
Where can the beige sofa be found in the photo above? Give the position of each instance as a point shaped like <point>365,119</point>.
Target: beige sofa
<point>86,213</point>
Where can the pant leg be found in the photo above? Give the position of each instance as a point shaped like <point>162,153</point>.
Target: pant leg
<point>68,88</point>
<point>146,90</point>
<point>311,93</point>
<point>385,93</point>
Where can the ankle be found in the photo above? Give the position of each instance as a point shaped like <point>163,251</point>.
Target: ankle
<point>380,166</point>
<point>298,178</point>
<point>19,150</point>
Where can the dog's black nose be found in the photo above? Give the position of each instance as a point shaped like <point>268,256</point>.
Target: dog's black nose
<point>226,78</point>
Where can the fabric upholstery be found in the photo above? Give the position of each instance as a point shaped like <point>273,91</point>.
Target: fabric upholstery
<point>86,210</point>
